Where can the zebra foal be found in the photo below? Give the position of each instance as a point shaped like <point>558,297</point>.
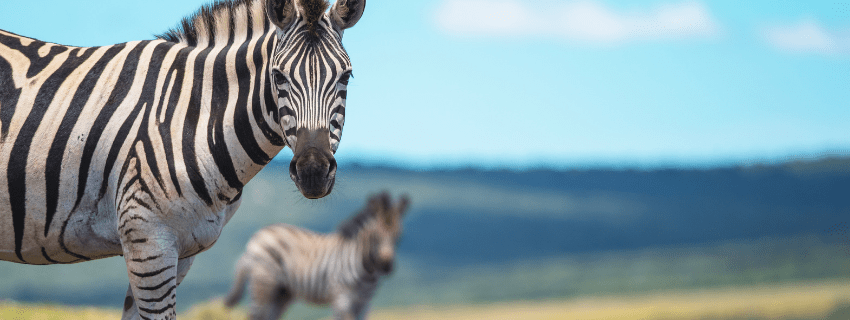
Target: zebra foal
<point>142,148</point>
<point>284,262</point>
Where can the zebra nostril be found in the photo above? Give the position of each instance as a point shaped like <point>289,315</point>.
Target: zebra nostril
<point>331,167</point>
<point>293,170</point>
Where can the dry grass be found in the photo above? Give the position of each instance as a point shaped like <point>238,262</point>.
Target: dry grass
<point>812,300</point>
<point>804,300</point>
<point>213,310</point>
<point>15,311</point>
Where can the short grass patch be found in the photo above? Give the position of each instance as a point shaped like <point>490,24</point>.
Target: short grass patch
<point>19,311</point>
<point>801,300</point>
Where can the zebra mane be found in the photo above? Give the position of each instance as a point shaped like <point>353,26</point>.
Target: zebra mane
<point>187,30</point>
<point>351,227</point>
<point>313,11</point>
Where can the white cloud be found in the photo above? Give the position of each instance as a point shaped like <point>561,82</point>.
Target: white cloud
<point>807,36</point>
<point>581,21</point>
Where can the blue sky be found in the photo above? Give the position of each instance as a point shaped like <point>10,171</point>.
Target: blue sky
<point>518,83</point>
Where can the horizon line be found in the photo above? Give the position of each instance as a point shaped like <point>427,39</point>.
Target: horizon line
<point>598,163</point>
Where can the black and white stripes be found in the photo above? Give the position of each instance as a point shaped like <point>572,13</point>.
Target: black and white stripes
<point>142,148</point>
<point>311,74</point>
<point>283,262</point>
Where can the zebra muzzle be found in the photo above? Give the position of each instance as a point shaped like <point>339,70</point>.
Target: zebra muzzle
<point>313,167</point>
<point>386,267</point>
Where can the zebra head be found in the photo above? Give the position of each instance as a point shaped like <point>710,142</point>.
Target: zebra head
<point>309,72</point>
<point>384,232</point>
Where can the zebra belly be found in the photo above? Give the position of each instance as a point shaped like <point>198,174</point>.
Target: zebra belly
<point>314,290</point>
<point>81,235</point>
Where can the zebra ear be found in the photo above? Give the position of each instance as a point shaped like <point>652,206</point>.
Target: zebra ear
<point>382,207</point>
<point>403,204</point>
<point>384,198</point>
<point>375,204</point>
<point>281,12</point>
<point>346,13</point>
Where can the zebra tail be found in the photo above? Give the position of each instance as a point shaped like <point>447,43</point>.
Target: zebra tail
<point>239,283</point>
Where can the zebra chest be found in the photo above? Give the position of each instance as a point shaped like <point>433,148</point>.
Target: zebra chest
<point>198,230</point>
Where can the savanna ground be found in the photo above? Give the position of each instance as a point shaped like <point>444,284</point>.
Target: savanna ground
<point>800,300</point>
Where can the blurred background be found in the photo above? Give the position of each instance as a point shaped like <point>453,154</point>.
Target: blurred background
<point>597,159</point>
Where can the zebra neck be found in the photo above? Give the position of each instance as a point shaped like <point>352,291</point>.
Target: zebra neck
<point>237,132</point>
<point>352,253</point>
<point>360,247</point>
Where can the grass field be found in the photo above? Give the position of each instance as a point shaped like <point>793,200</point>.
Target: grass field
<point>806,300</point>
<point>795,278</point>
<point>799,300</point>
<point>16,311</point>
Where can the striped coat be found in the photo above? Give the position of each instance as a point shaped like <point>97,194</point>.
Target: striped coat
<point>142,148</point>
<point>284,263</point>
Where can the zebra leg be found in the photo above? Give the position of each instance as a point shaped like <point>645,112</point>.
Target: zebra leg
<point>360,310</point>
<point>268,298</point>
<point>130,310</point>
<point>279,305</point>
<point>150,252</point>
<point>154,285</point>
<point>345,308</point>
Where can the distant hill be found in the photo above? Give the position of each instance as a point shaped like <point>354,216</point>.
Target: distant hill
<point>474,216</point>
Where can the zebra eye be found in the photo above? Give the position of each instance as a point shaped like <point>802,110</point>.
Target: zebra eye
<point>345,77</point>
<point>279,78</point>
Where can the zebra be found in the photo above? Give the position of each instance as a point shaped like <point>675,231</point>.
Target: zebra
<point>142,149</point>
<point>284,262</point>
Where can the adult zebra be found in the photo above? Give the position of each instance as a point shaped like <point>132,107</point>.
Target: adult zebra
<point>141,149</point>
